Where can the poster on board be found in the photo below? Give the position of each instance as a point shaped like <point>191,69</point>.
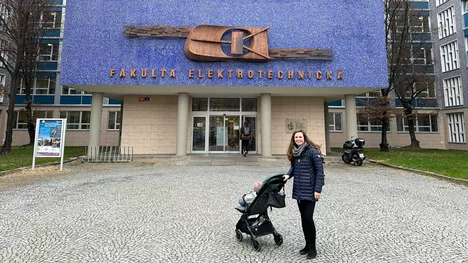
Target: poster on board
<point>50,139</point>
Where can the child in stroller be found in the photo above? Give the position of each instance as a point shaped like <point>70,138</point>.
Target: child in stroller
<point>254,220</point>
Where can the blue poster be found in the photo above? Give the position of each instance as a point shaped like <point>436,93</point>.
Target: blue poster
<point>49,138</point>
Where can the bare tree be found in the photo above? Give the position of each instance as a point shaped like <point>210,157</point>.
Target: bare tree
<point>379,110</point>
<point>22,25</point>
<point>409,57</point>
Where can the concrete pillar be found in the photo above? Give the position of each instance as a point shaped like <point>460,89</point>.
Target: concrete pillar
<point>351,117</point>
<point>182,124</point>
<point>327,131</point>
<point>95,126</point>
<point>265,103</point>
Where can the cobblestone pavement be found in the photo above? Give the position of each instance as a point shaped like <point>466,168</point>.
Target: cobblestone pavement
<point>169,211</point>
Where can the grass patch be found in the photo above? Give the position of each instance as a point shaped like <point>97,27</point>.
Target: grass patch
<point>451,163</point>
<point>22,157</point>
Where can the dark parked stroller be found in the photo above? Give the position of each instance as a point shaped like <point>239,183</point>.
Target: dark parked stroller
<point>254,220</point>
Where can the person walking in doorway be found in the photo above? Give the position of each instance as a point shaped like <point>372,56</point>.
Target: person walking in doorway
<point>246,137</point>
<point>307,170</point>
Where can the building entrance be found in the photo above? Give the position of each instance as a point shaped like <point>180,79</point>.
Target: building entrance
<point>215,131</point>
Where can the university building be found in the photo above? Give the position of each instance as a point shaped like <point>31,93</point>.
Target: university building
<point>131,74</point>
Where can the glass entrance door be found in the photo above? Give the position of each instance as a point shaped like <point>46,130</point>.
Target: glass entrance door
<point>198,134</point>
<point>252,122</point>
<point>224,133</point>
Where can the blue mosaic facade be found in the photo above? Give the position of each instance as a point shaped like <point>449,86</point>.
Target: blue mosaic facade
<point>94,41</point>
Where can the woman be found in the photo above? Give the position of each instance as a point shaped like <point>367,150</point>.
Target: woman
<point>307,169</point>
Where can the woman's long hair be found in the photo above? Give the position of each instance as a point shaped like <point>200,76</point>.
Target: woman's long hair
<point>292,144</point>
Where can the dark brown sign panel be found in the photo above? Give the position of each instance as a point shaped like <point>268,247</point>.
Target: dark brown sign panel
<point>220,43</point>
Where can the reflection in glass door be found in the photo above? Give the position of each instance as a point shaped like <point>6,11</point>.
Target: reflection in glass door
<point>252,122</point>
<point>224,133</point>
<point>198,131</point>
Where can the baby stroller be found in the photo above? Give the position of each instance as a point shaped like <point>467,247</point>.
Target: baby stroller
<point>254,220</point>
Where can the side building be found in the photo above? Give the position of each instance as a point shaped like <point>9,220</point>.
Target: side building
<point>50,99</point>
<point>428,124</point>
<point>450,17</point>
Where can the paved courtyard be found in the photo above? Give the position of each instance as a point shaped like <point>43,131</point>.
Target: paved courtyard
<point>178,211</point>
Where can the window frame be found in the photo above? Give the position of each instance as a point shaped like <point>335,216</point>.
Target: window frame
<point>116,120</point>
<point>402,125</point>
<point>370,126</point>
<point>24,125</point>
<point>456,127</point>
<point>50,90</point>
<point>453,91</point>
<point>78,126</point>
<point>332,126</point>
<point>449,58</point>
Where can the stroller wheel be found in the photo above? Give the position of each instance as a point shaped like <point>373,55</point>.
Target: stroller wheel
<point>256,245</point>
<point>278,239</point>
<point>239,235</point>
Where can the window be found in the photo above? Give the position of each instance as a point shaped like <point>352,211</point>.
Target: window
<point>446,22</point>
<point>453,92</point>
<point>21,120</point>
<point>199,104</point>
<point>421,55</point>
<point>2,85</point>
<point>419,24</point>
<point>3,53</point>
<point>466,49</point>
<point>5,14</point>
<point>52,20</point>
<point>465,6</point>
<point>48,52</point>
<point>427,89</point>
<point>456,128</point>
<point>449,56</point>
<point>423,123</point>
<point>227,104</point>
<point>114,120</point>
<point>439,2</point>
<point>364,124</point>
<point>77,120</point>
<point>71,91</point>
<point>249,104</point>
<point>334,121</point>
<point>45,85</point>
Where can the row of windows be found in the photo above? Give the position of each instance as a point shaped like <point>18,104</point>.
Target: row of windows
<point>76,120</point>
<point>48,19</point>
<point>224,104</point>
<point>439,2</point>
<point>423,123</point>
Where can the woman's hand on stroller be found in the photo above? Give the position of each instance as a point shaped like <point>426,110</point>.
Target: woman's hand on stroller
<point>286,177</point>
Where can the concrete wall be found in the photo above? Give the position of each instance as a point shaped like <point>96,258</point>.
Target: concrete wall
<point>150,127</point>
<point>296,108</point>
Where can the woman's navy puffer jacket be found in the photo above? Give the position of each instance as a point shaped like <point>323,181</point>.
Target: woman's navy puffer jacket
<point>307,170</point>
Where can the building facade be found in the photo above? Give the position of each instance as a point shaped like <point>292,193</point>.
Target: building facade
<point>450,18</point>
<point>111,65</point>
<point>190,88</point>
